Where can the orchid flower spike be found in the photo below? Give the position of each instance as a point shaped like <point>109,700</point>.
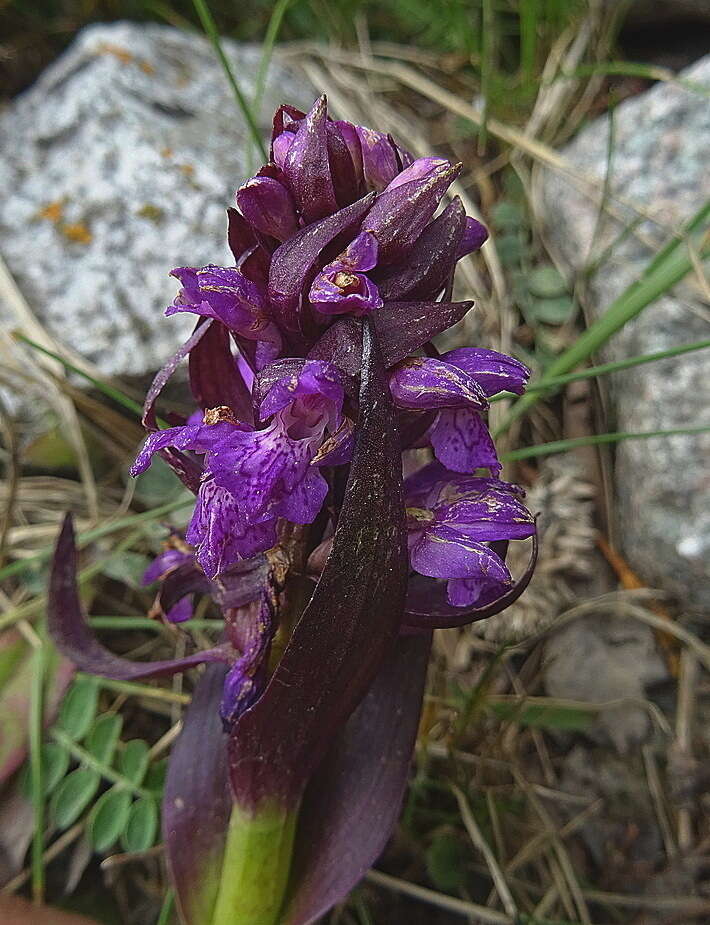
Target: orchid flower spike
<point>313,371</point>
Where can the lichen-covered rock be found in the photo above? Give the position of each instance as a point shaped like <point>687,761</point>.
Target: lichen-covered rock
<point>660,162</point>
<point>117,166</point>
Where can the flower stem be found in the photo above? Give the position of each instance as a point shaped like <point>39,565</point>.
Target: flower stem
<point>257,860</point>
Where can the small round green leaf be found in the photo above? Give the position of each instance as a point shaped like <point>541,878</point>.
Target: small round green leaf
<point>553,311</point>
<point>79,708</point>
<point>133,760</point>
<point>511,249</point>
<point>142,826</point>
<point>55,764</point>
<point>546,282</point>
<point>108,818</point>
<point>73,795</point>
<point>103,738</point>
<point>155,777</point>
<point>446,862</point>
<point>507,215</point>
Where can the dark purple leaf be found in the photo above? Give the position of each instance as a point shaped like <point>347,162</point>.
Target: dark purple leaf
<point>430,262</point>
<point>161,379</point>
<point>342,169</point>
<point>307,166</point>
<point>293,263</point>
<point>244,582</point>
<point>401,213</point>
<point>181,581</point>
<point>413,425</point>
<point>73,637</point>
<point>401,327</point>
<point>215,379</point>
<point>350,623</point>
<point>353,800</point>
<point>186,467</point>
<point>239,234</point>
<point>197,802</point>
<point>427,607</point>
<point>255,265</point>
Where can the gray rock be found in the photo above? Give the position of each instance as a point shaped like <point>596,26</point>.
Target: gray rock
<point>660,162</point>
<point>117,166</point>
<point>603,660</point>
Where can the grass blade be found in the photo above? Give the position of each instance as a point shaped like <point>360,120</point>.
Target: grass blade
<point>529,12</point>
<point>210,27</point>
<point>108,390</point>
<point>267,49</point>
<point>563,446</point>
<point>668,267</point>
<point>166,909</point>
<point>550,383</point>
<point>97,533</point>
<point>36,775</point>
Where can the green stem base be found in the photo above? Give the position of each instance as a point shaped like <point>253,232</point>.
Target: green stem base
<point>257,860</point>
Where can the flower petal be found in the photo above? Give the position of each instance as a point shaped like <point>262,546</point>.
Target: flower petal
<point>267,204</point>
<point>222,532</point>
<point>379,159</point>
<point>441,556</point>
<point>495,372</point>
<point>224,293</point>
<point>422,383</point>
<point>428,606</point>
<point>461,441</point>
<point>197,437</point>
<point>315,378</point>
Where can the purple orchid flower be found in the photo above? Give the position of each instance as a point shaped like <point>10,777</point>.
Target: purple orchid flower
<point>306,366</point>
<point>458,385</point>
<point>452,520</point>
<point>171,558</point>
<point>342,286</point>
<point>252,477</point>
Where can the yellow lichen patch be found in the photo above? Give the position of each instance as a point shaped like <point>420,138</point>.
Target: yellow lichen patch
<point>151,212</point>
<point>166,152</point>
<point>187,169</point>
<point>125,56</point>
<point>52,212</point>
<point>77,232</point>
